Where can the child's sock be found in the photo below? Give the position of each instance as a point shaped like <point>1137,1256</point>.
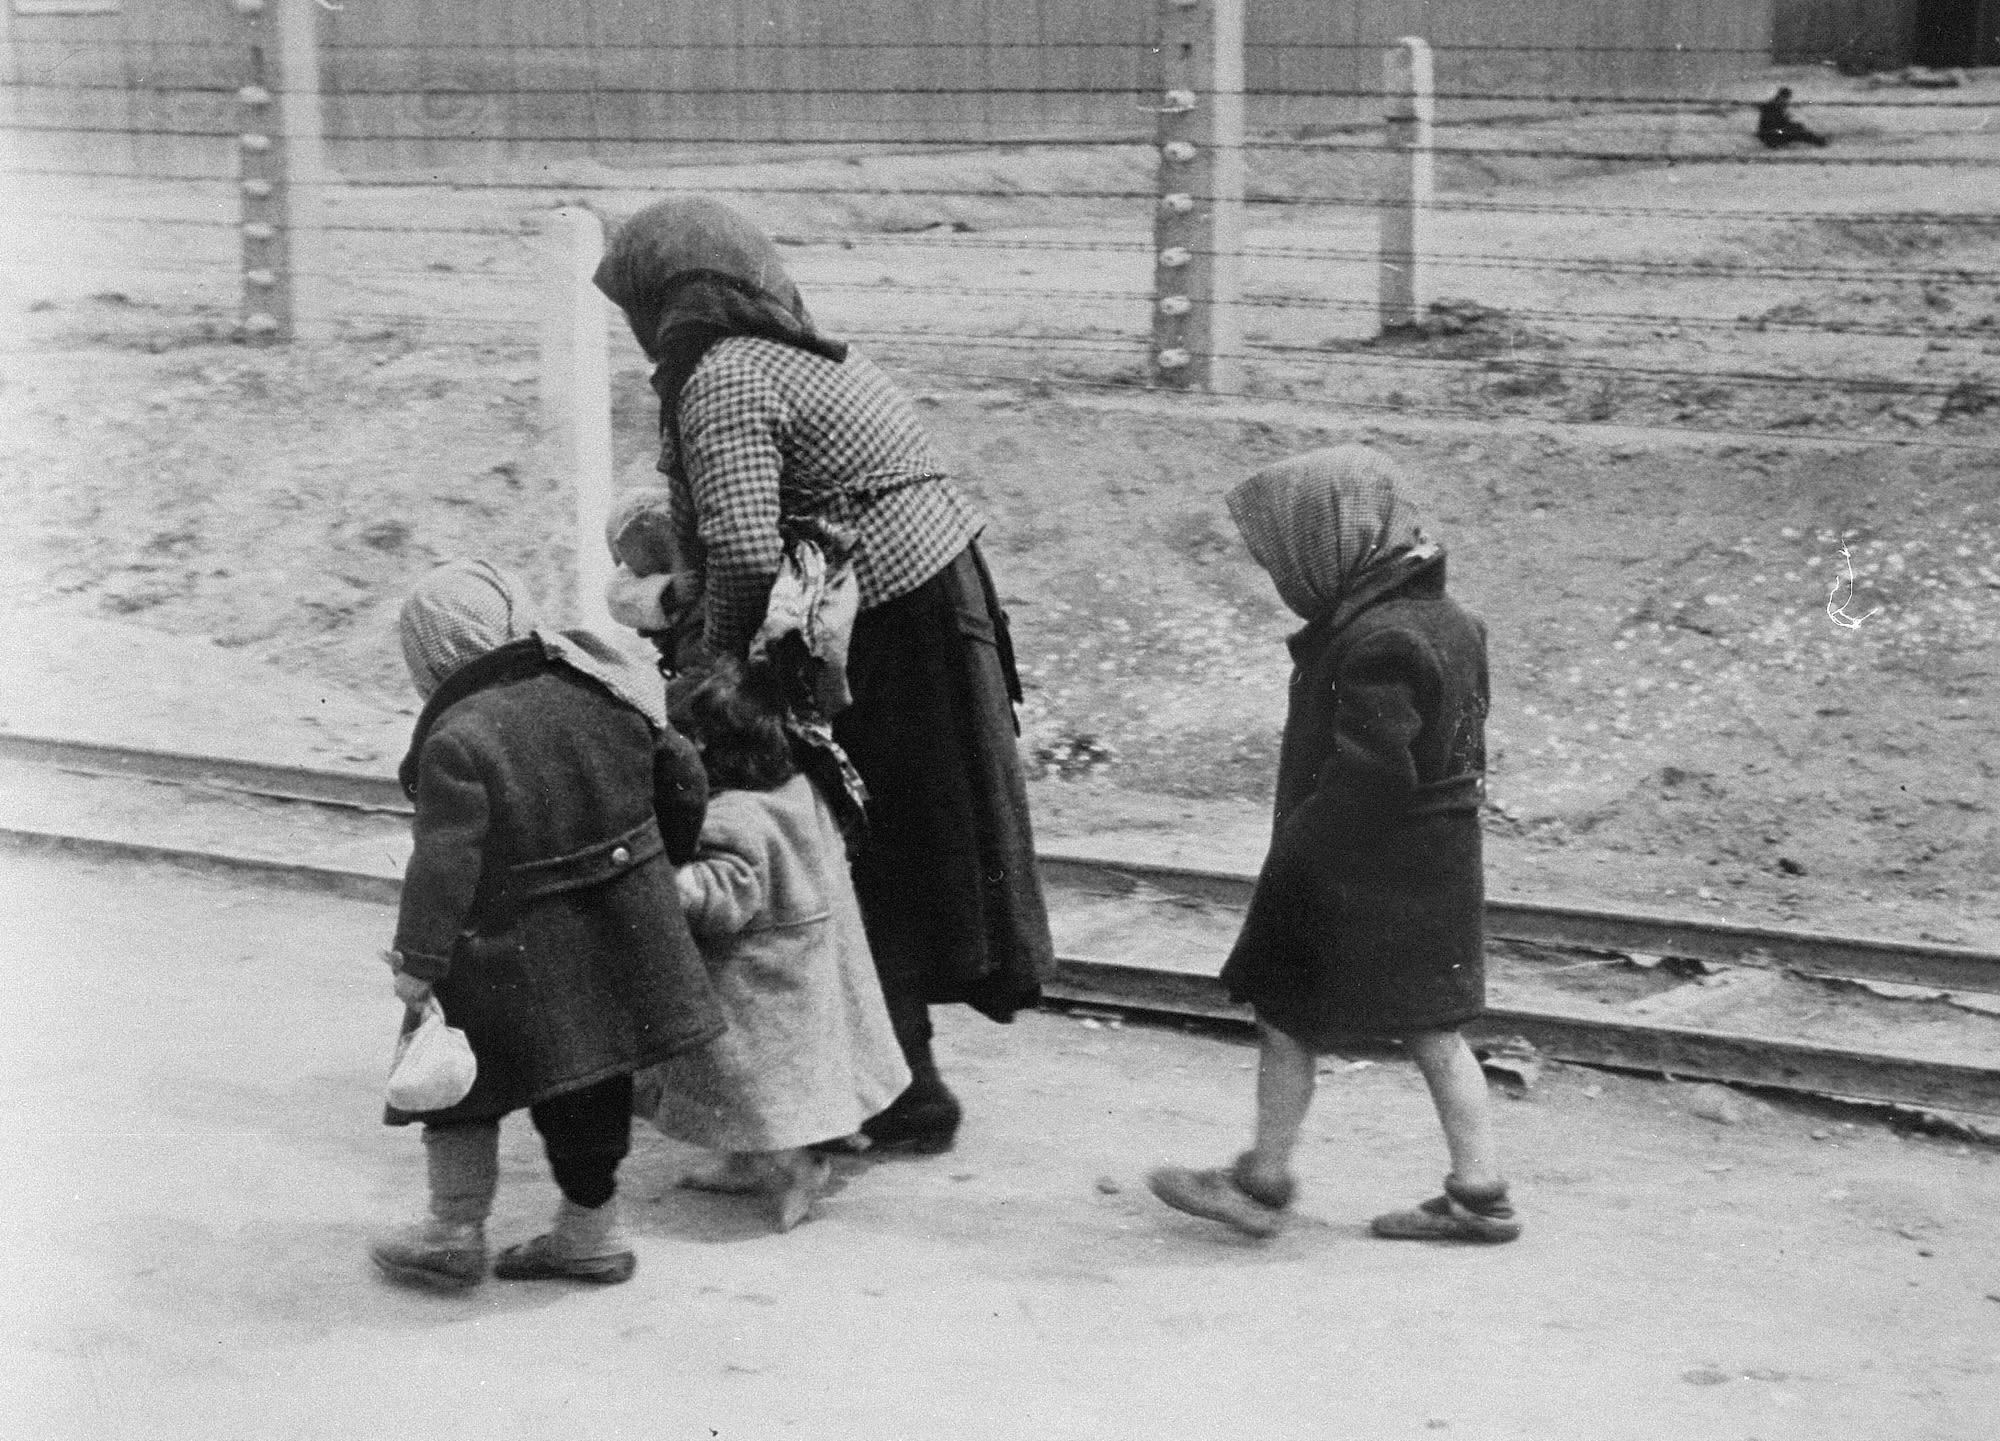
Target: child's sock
<point>464,1167</point>
<point>587,1233</point>
<point>448,1251</point>
<point>585,1244</point>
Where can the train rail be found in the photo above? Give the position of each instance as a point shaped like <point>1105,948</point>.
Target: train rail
<point>1663,1035</point>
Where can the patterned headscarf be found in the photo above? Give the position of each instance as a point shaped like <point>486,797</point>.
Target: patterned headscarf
<point>456,614</point>
<point>1317,522</point>
<point>690,271</point>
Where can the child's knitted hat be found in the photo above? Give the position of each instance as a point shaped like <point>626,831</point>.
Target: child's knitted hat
<point>457,613</point>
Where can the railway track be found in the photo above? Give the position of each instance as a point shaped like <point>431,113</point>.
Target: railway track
<point>1682,996</point>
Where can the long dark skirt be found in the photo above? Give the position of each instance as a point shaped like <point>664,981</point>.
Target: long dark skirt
<point>947,882</point>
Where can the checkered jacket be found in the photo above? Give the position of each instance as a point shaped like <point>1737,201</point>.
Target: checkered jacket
<point>768,429</point>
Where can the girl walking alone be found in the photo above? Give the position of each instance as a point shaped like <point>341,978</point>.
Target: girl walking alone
<point>1367,917</point>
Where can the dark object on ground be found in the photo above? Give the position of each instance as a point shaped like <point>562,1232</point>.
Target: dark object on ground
<point>1775,127</point>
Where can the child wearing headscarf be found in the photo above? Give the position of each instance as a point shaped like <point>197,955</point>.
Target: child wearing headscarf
<point>809,1054</point>
<point>553,800</point>
<point>1367,916</point>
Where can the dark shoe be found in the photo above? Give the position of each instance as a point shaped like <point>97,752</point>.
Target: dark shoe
<point>1225,1196</point>
<point>540,1260</point>
<point>433,1256</point>
<point>1462,1213</point>
<point>922,1121</point>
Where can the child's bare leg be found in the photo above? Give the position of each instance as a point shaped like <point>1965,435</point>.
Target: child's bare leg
<point>1458,1090</point>
<point>1253,1194</point>
<point>1286,1075</point>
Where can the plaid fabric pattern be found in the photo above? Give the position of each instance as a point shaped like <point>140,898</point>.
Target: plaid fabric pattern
<point>1318,520</point>
<point>770,430</point>
<point>456,614</point>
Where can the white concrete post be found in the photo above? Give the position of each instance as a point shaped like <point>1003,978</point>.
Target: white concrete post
<point>576,396</point>
<point>1198,225</point>
<point>1409,91</point>
<point>261,173</point>
<point>305,164</point>
<point>282,171</point>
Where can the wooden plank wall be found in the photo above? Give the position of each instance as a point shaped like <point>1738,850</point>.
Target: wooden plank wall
<point>146,89</point>
<point>430,84</point>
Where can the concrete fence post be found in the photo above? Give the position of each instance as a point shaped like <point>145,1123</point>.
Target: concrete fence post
<point>305,164</point>
<point>261,174</point>
<point>1411,107</point>
<point>1198,221</point>
<point>576,395</point>
<point>280,171</point>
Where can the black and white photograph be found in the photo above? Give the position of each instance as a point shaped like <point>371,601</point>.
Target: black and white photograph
<point>1000,720</point>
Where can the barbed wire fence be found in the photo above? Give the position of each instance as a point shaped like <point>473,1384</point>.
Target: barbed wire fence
<point>1558,253</point>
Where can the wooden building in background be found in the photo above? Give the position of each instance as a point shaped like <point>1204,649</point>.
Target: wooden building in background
<point>408,85</point>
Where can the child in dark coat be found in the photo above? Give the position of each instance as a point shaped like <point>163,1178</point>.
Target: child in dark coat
<point>552,803</point>
<point>1367,917</point>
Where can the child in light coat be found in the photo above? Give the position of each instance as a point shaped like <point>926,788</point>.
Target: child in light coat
<point>809,1054</point>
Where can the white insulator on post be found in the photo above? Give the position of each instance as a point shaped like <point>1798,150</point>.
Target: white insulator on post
<point>1180,202</point>
<point>261,324</point>
<point>1179,151</point>
<point>249,7</point>
<point>255,144</point>
<point>1175,256</point>
<point>1174,359</point>
<point>258,230</point>
<point>253,95</point>
<point>1175,305</point>
<point>255,188</point>
<point>1178,101</point>
<point>262,279</point>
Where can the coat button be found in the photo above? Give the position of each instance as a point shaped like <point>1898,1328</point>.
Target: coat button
<point>619,856</point>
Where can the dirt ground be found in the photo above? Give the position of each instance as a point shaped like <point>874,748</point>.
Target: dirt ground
<point>206,545</point>
<point>1679,721</point>
<point>190,1081</point>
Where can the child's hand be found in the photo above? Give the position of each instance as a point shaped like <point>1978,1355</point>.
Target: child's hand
<point>642,602</point>
<point>412,992</point>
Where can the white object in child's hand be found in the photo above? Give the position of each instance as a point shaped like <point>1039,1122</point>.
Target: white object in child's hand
<point>434,1065</point>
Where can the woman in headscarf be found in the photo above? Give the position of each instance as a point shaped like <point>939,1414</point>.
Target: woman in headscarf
<point>539,909</point>
<point>766,422</point>
<point>1367,919</point>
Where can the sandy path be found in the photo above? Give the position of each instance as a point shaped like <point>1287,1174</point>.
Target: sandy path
<point>189,1081</point>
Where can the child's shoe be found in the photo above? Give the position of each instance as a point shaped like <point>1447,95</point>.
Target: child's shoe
<point>1229,1196</point>
<point>436,1255</point>
<point>586,1244</point>
<point>798,1180</point>
<point>1462,1213</point>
